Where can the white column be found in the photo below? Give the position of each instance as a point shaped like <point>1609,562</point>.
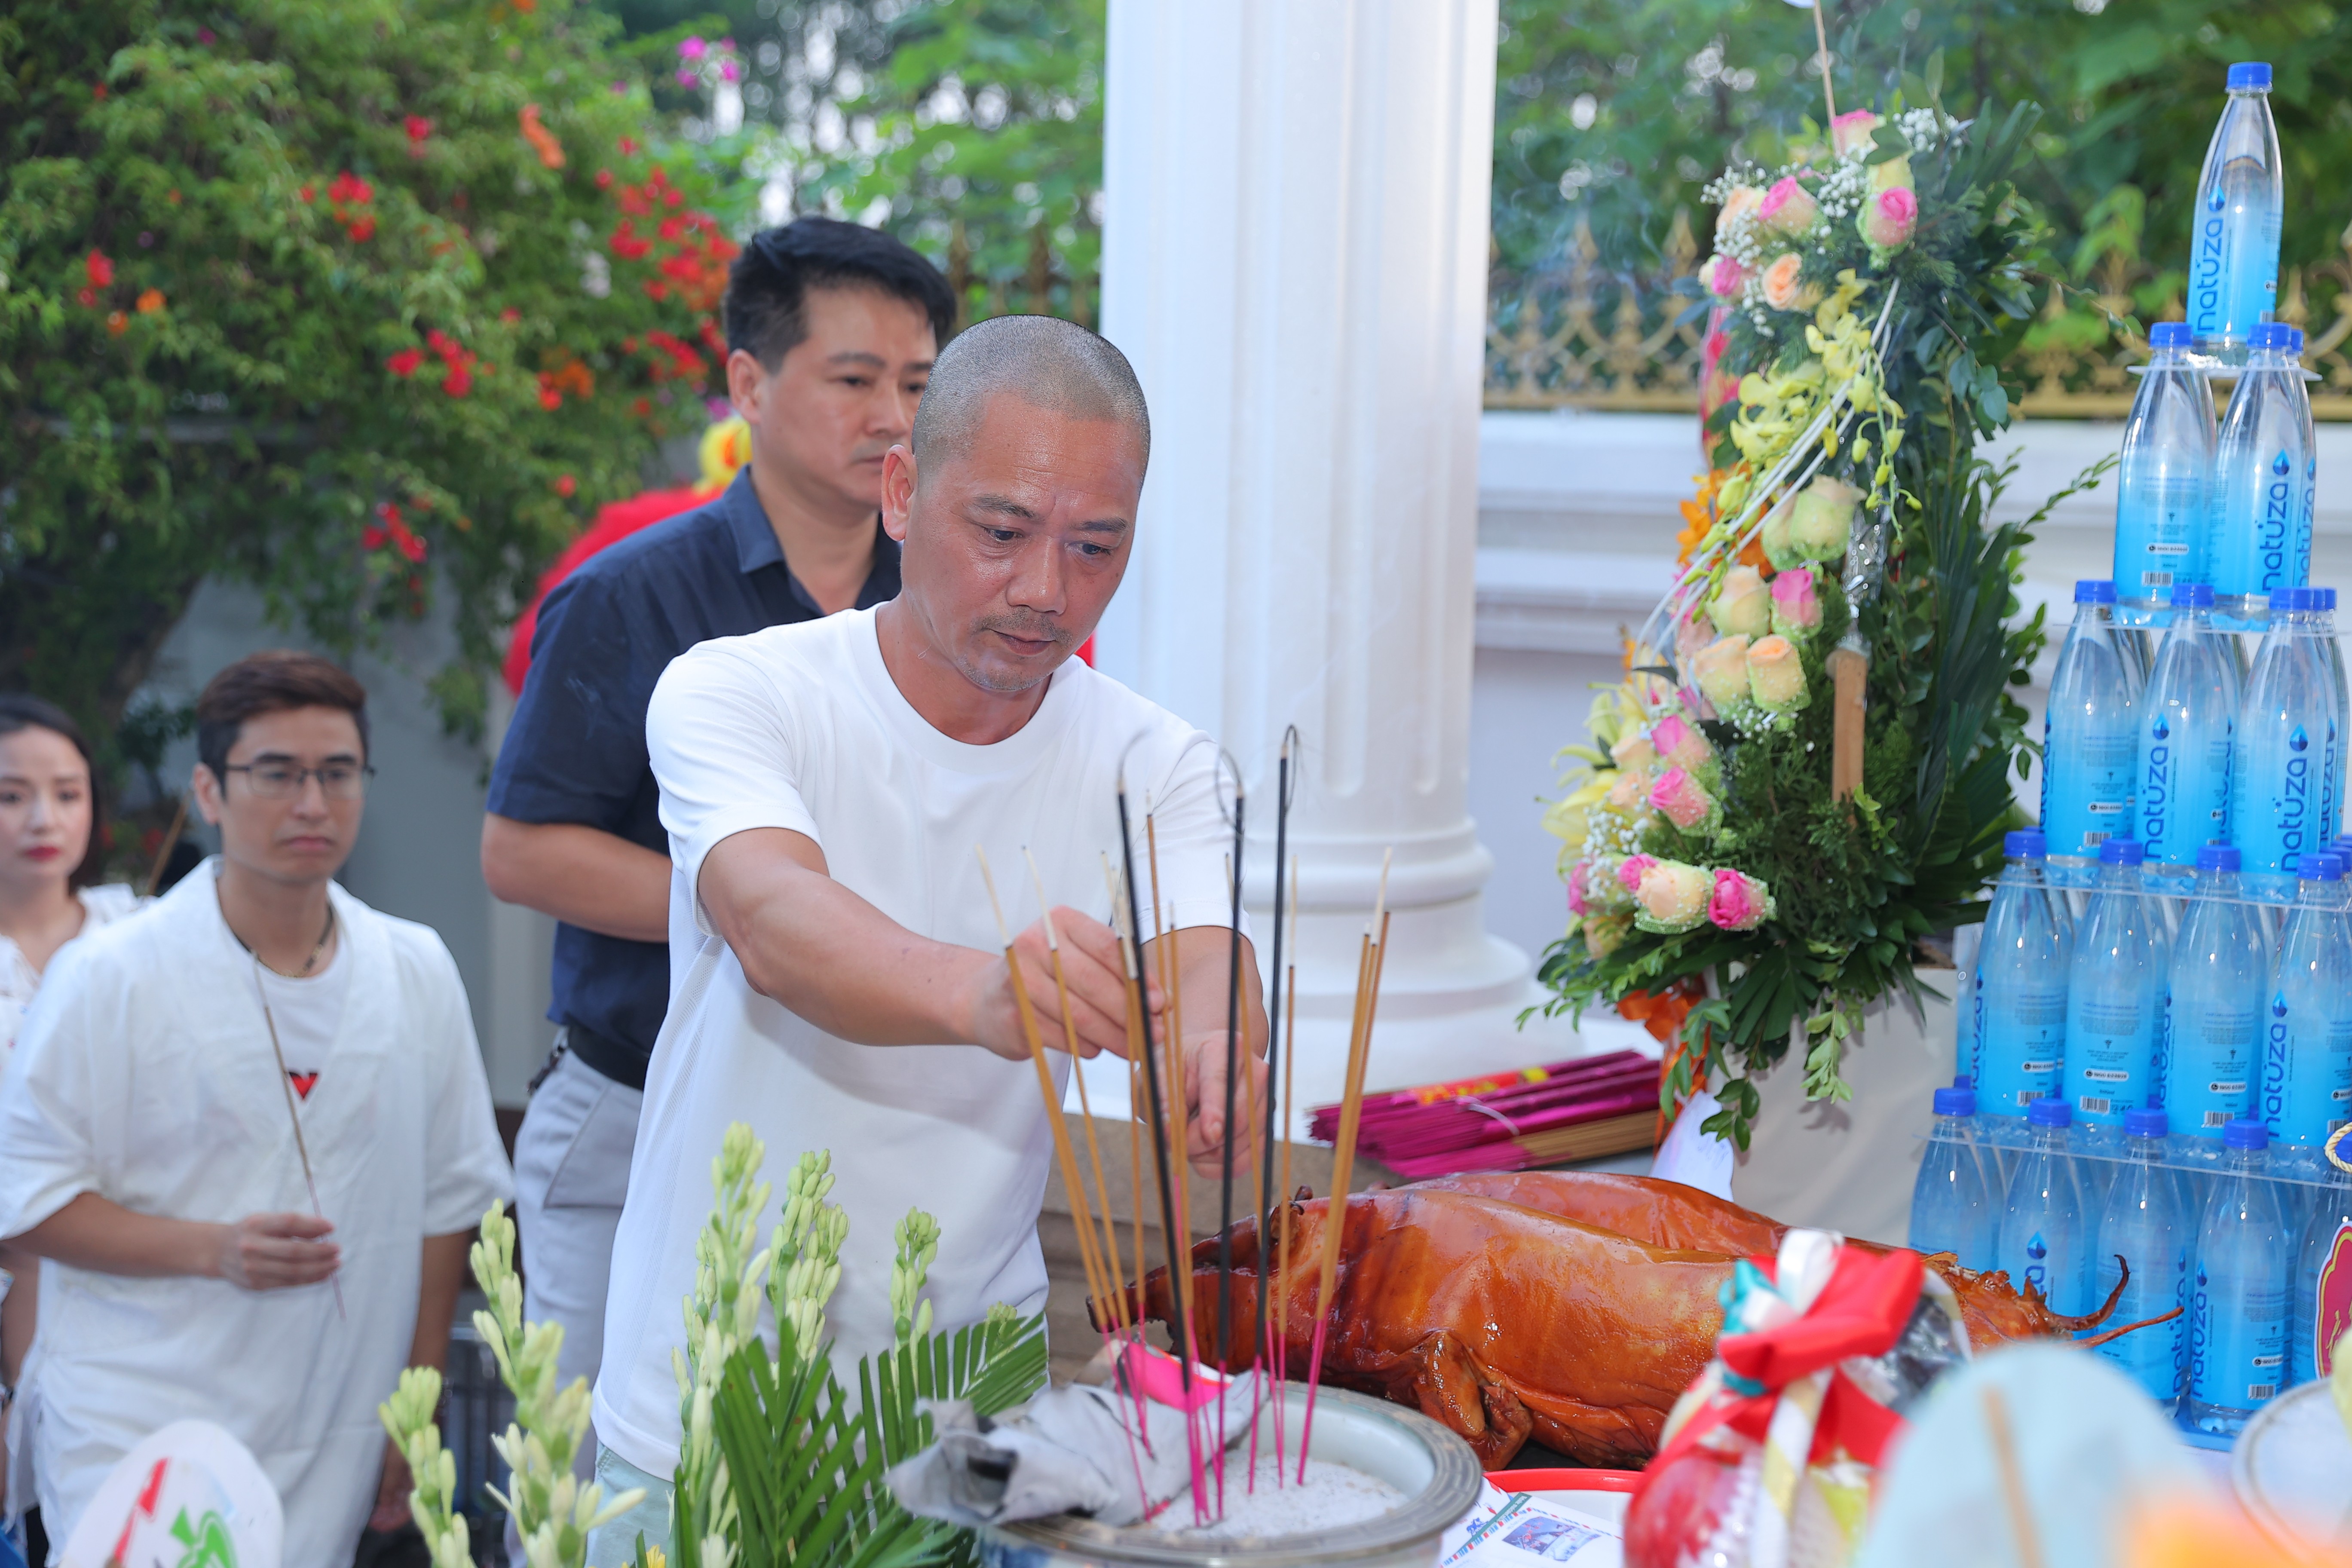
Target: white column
<point>1295,257</point>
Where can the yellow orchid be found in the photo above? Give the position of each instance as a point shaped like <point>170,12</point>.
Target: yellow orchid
<point>1841,300</point>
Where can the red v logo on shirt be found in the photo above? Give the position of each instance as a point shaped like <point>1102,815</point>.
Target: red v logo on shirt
<point>303,1082</point>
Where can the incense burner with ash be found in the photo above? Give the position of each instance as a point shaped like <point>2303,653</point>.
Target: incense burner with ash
<point>1383,1485</point>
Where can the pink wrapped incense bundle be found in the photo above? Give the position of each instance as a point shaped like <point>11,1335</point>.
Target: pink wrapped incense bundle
<point>1501,1121</point>
<point>1547,1139</point>
<point>1407,1105</point>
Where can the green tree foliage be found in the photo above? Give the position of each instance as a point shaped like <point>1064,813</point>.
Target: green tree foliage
<point>366,302</point>
<point>971,128</point>
<point>1620,114</point>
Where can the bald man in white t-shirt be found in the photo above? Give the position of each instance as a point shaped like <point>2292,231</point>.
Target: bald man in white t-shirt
<point>836,977</point>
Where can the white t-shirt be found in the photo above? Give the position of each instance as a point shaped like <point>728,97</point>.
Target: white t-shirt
<point>307,1010</point>
<point>101,905</point>
<point>802,727</point>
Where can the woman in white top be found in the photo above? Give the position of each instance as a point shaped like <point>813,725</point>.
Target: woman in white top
<point>49,824</point>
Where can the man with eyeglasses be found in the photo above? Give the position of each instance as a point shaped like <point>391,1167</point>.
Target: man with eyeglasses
<point>249,1133</point>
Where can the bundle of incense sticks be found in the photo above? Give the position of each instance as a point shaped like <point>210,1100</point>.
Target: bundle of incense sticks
<point>1578,1109</point>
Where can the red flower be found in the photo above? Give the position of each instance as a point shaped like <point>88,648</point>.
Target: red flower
<point>627,146</point>
<point>603,179</point>
<point>362,228</point>
<point>628,345</point>
<point>86,296</point>
<point>349,188</point>
<point>417,127</point>
<point>627,246</point>
<point>371,537</point>
<point>642,406</point>
<point>100,268</point>
<point>459,381</point>
<point>403,364</point>
<point>409,544</point>
<point>673,196</point>
<point>657,289</point>
<point>98,91</point>
<point>510,315</point>
<point>565,486</point>
<point>442,342</point>
<point>672,227</point>
<point>550,399</point>
<point>307,193</point>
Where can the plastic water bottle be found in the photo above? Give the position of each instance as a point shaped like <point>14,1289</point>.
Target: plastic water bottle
<point>2115,1001</point>
<point>2285,743</point>
<point>2323,1282</point>
<point>2090,738</point>
<point>2261,465</point>
<point>2021,969</point>
<point>2165,477</point>
<point>2189,723</point>
<point>2220,994</point>
<point>2239,1303</point>
<point>2143,1223</point>
<point>2235,248</point>
<point>2323,632</point>
<point>2041,1237</point>
<point>1951,1210</point>
<point>2307,1056</point>
<point>2305,514</point>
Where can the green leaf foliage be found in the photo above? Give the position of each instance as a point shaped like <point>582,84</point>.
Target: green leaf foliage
<point>365,302</point>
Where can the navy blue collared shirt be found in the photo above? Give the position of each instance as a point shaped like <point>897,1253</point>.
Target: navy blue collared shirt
<point>576,749</point>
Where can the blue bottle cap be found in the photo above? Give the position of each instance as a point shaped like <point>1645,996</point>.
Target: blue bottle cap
<point>2192,595</point>
<point>2025,844</point>
<point>2293,599</point>
<point>2148,1121</point>
<point>2343,862</point>
<point>1961,1080</point>
<point>2293,338</point>
<point>2322,868</point>
<point>1956,1102</point>
<point>2242,1135</point>
<point>2218,857</point>
<point>2169,335</point>
<point>2122,852</point>
<point>2343,844</point>
<point>2326,597</point>
<point>2269,335</point>
<point>2094,591</point>
<point>2250,76</point>
<point>2050,1112</point>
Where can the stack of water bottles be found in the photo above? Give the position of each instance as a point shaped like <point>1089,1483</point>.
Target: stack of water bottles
<point>2154,1073</point>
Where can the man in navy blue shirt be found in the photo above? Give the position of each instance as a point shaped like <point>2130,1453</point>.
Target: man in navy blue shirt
<point>831,332</point>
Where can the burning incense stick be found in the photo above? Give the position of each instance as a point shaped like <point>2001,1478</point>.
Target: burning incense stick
<point>1262,1353</point>
<point>301,1145</point>
<point>1343,1153</point>
<point>1062,1152</point>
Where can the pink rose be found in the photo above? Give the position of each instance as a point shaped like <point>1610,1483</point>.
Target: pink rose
<point>1684,801</point>
<point>1577,905</point>
<point>1680,744</point>
<point>1716,385</point>
<point>1850,132</point>
<point>1740,903</point>
<point>1787,207</point>
<point>1673,896</point>
<point>1796,603</point>
<point>1889,218</point>
<point>1784,283</point>
<point>1629,872</point>
<point>1724,276</point>
<point>1626,795</point>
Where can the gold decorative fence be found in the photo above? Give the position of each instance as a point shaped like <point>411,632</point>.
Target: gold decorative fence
<point>1584,337</point>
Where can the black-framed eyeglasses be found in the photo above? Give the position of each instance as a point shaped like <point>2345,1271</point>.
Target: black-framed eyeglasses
<point>283,781</point>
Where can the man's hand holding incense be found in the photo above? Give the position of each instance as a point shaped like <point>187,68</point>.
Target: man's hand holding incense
<point>1095,973</point>
<point>1205,1103</point>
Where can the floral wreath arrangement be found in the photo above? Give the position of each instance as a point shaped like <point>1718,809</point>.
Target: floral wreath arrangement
<point>1738,842</point>
<point>779,1462</point>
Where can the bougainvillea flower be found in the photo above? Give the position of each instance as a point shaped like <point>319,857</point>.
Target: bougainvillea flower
<point>99,267</point>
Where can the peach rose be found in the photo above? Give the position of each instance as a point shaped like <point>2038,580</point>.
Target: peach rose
<point>1721,669</point>
<point>1673,896</point>
<point>1850,132</point>
<point>1635,751</point>
<point>1776,676</point>
<point>1741,603</point>
<point>1784,283</point>
<point>1737,203</point>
